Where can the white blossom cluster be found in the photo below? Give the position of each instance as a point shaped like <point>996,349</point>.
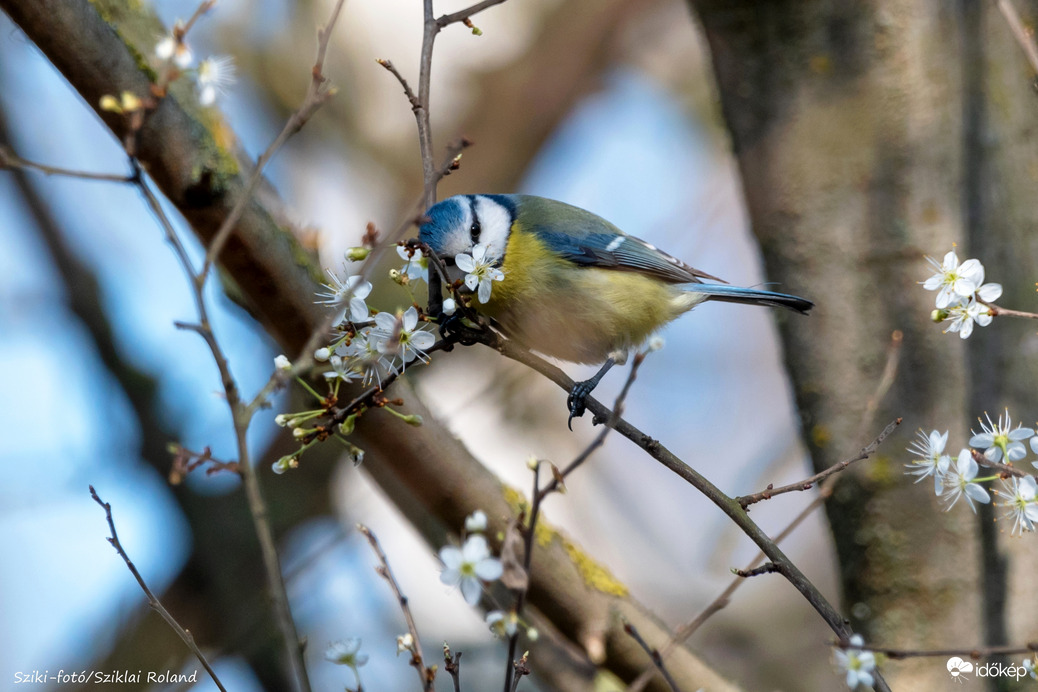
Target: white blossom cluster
<point>213,75</point>
<point>371,343</point>
<point>962,295</point>
<point>999,442</point>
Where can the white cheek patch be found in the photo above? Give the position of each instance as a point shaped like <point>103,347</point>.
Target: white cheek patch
<point>496,223</point>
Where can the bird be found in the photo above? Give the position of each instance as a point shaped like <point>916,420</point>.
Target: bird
<point>564,282</point>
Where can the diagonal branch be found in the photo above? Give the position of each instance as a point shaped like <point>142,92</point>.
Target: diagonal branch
<point>153,601</point>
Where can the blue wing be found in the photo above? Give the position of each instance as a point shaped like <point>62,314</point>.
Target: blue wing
<point>623,252</point>
<point>590,241</point>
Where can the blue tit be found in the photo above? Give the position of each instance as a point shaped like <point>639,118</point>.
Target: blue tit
<point>575,286</point>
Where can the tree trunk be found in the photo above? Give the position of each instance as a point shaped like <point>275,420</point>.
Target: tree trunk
<point>870,134</point>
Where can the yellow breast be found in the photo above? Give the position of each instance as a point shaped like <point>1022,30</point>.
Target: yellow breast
<point>579,314</point>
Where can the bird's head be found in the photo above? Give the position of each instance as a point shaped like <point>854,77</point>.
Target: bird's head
<point>455,225</point>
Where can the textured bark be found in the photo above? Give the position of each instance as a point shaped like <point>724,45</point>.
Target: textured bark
<point>869,134</point>
<point>99,47</point>
<point>1000,117</point>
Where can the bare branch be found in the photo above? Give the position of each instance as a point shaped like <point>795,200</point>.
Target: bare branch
<point>1024,37</point>
<point>654,655</point>
<point>153,601</point>
<point>728,505</point>
<point>9,160</point>
<point>1005,470</point>
<point>808,483</point>
<point>316,95</point>
<point>539,495</point>
<point>462,15</point>
<point>411,98</point>
<point>425,674</point>
<point>975,653</point>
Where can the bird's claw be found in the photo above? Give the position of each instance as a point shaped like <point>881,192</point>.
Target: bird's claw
<point>454,328</point>
<point>577,401</point>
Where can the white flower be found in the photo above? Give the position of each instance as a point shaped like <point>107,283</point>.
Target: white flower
<point>856,663</point>
<point>402,338</point>
<point>1029,666</point>
<point>955,281</point>
<point>354,288</point>
<point>449,306</point>
<point>172,49</point>
<point>989,293</point>
<point>985,292</point>
<point>1022,505</point>
<point>963,315</point>
<point>341,370</point>
<point>215,74</point>
<point>467,567</point>
<point>365,350</point>
<point>282,362</point>
<point>404,642</point>
<point>416,267</point>
<point>322,354</point>
<point>930,458</point>
<point>346,653</point>
<point>476,522</point>
<point>960,482</point>
<point>480,272</point>
<point>998,440</point>
<point>502,624</point>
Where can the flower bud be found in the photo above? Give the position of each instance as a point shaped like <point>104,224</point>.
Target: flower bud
<point>356,254</point>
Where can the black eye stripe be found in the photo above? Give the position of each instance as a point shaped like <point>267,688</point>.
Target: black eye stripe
<point>476,229</point>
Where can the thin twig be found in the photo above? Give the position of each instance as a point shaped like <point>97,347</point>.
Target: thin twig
<point>521,669</point>
<point>886,381</point>
<point>684,632</point>
<point>975,653</point>
<point>318,92</point>
<point>9,160</point>
<point>411,98</point>
<point>202,8</point>
<point>420,105</point>
<point>539,495</point>
<point>825,490</point>
<point>997,311</point>
<point>425,674</point>
<point>654,656</point>
<point>808,483</point>
<point>452,664</point>
<point>726,504</point>
<point>1005,470</point>
<point>1024,37</point>
<point>240,420</point>
<point>153,601</point>
<point>766,568</point>
<point>460,16</point>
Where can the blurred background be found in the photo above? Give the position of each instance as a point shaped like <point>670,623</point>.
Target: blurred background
<point>605,104</point>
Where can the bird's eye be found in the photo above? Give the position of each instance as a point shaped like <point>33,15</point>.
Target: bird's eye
<point>475,230</point>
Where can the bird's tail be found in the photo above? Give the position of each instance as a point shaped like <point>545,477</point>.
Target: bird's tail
<point>751,296</point>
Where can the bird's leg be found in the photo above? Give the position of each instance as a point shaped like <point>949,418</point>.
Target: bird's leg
<point>581,390</point>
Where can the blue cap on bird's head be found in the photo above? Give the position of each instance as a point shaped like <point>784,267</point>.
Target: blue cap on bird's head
<point>442,219</point>
<point>458,223</point>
